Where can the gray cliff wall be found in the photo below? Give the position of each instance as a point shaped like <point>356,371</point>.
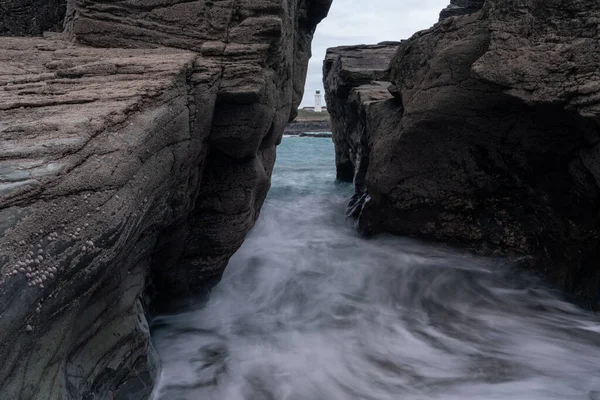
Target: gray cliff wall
<point>132,171</point>
<point>487,138</point>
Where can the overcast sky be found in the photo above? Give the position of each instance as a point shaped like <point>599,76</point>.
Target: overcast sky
<point>367,22</point>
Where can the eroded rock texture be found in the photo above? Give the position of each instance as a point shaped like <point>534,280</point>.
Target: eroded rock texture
<point>256,53</point>
<point>353,74</point>
<point>132,171</point>
<point>488,137</point>
<point>31,17</point>
<point>461,7</point>
<point>96,147</point>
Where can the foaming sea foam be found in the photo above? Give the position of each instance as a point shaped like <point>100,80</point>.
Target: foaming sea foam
<point>307,310</point>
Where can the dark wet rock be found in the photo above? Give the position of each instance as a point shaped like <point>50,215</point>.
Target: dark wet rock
<point>31,17</point>
<point>353,74</point>
<point>461,7</point>
<point>487,139</point>
<point>130,173</point>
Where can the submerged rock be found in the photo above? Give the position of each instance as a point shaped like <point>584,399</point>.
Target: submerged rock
<point>487,138</point>
<point>132,172</point>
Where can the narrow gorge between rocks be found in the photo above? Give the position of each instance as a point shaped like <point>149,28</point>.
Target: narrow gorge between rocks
<point>307,309</point>
<point>165,235</point>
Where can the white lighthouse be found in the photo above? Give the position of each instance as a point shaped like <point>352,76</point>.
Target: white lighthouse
<point>318,103</point>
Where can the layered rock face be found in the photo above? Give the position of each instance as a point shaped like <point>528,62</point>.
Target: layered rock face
<point>348,72</point>
<point>488,137</point>
<point>132,172</point>
<point>254,61</point>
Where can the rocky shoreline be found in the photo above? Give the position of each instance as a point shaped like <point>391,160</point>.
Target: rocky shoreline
<point>311,134</point>
<point>482,132</point>
<point>294,128</point>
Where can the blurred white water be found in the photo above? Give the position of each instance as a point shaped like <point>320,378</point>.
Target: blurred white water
<point>307,310</point>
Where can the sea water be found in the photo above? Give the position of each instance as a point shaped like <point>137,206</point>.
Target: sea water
<point>309,310</point>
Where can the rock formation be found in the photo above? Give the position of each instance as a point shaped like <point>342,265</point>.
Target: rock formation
<point>299,127</point>
<point>351,74</point>
<point>487,137</point>
<point>31,17</point>
<point>461,7</point>
<point>131,171</point>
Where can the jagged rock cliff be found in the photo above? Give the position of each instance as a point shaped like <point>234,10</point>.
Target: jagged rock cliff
<point>461,7</point>
<point>132,172</point>
<point>488,137</point>
<point>350,73</point>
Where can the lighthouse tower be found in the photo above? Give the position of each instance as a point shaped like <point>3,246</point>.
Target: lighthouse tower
<point>318,103</point>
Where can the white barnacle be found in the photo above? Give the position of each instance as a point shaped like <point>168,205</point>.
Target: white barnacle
<point>83,248</point>
<point>41,286</point>
<point>40,258</point>
<point>40,251</point>
<point>28,328</point>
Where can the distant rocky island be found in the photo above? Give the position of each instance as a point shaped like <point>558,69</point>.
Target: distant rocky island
<point>310,123</point>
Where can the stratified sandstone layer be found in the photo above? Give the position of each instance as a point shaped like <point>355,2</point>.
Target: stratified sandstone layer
<point>96,147</point>
<point>256,54</point>
<point>491,138</point>
<point>130,172</point>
